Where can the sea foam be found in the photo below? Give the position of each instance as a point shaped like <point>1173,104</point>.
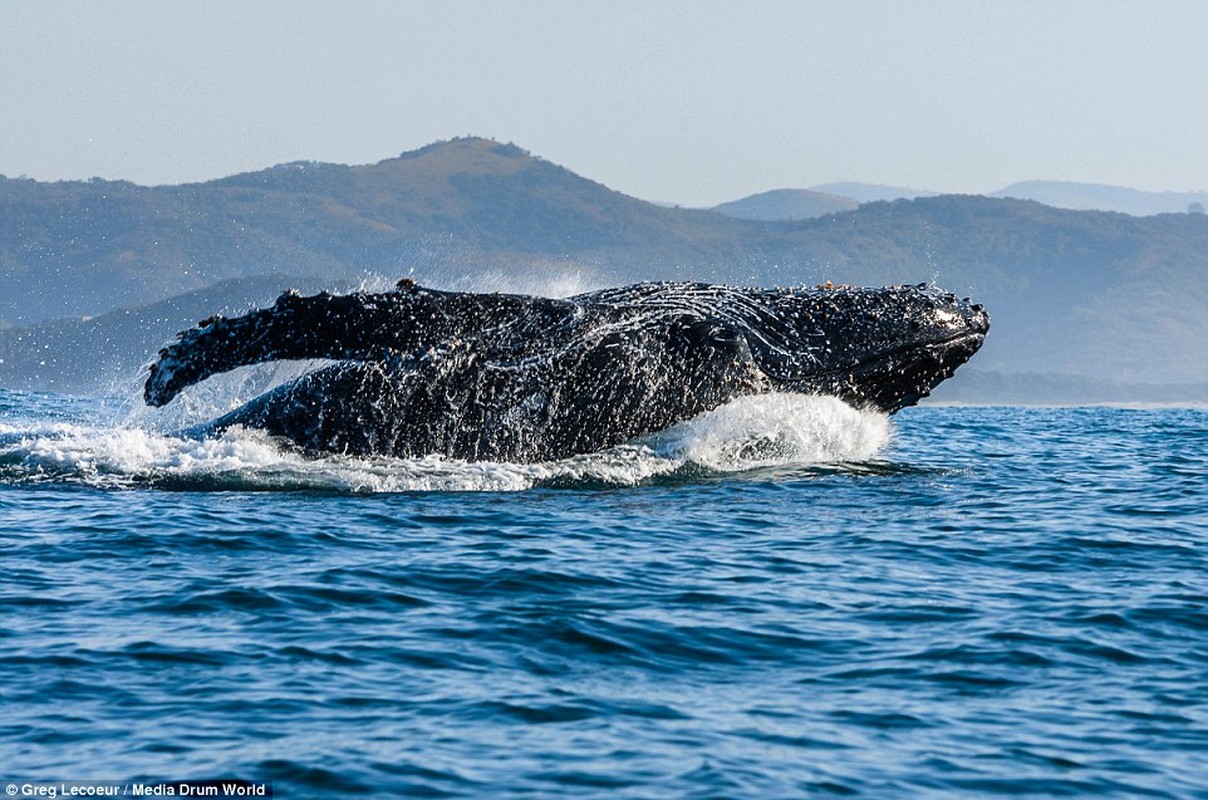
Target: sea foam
<point>749,433</point>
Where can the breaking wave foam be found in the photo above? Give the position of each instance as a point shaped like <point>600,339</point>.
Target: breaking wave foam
<point>750,433</point>
<point>773,430</point>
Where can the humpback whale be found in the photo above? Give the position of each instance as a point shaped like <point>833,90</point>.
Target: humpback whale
<point>507,377</point>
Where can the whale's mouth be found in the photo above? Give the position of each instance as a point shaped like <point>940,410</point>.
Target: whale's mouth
<point>962,345</point>
<point>893,379</point>
<point>902,377</point>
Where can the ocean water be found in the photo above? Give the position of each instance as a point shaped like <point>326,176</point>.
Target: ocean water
<point>784,598</point>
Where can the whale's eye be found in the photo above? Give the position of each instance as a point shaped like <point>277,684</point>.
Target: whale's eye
<point>708,333</point>
<point>724,335</point>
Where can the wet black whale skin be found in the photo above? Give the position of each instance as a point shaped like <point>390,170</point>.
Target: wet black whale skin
<point>506,377</point>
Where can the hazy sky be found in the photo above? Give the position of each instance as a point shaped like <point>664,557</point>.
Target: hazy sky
<point>690,102</point>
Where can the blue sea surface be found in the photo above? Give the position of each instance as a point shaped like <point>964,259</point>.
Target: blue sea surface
<point>788,598</point>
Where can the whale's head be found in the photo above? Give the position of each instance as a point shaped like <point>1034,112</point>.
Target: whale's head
<point>883,348</point>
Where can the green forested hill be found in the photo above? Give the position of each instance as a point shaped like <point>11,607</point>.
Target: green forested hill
<point>83,248</point>
<point>1100,295</point>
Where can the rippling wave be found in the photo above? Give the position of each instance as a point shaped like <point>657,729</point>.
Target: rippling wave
<point>786,599</point>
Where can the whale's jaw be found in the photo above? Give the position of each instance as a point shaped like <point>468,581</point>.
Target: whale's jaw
<point>901,377</point>
<point>883,349</point>
<point>899,380</point>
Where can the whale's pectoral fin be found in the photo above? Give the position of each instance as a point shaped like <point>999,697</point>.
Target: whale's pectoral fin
<point>323,326</point>
<point>354,327</point>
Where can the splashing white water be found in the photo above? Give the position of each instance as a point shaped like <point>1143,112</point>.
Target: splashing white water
<point>749,433</point>
<point>775,429</point>
<point>546,278</point>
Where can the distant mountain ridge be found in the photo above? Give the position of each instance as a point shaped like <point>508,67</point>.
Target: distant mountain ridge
<point>871,192</point>
<point>82,248</point>
<point>1098,197</point>
<point>780,203</point>
<point>786,205</point>
<point>1105,296</point>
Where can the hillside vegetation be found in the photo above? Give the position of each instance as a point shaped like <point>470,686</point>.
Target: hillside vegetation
<point>1099,295</point>
<point>83,248</point>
